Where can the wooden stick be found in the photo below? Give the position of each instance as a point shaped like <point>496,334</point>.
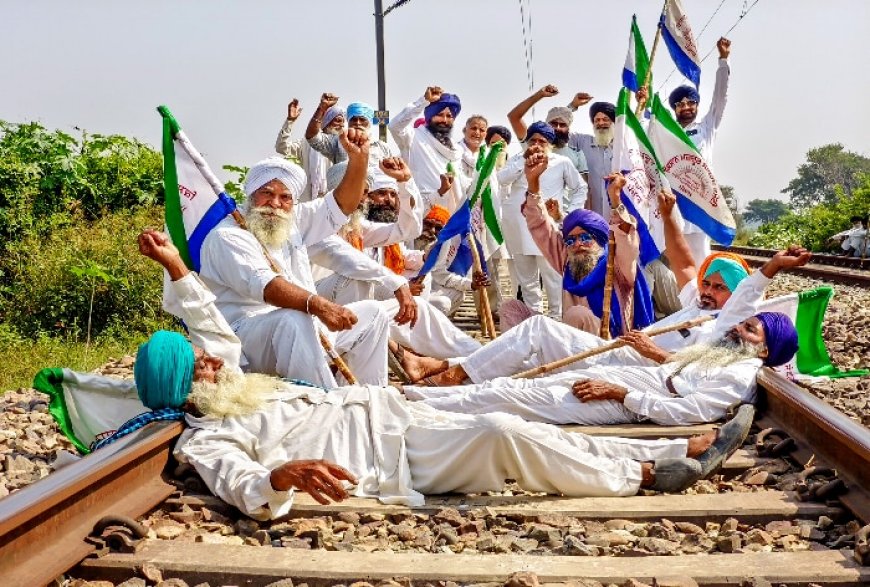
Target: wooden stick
<point>608,347</point>
<point>487,324</point>
<point>604,331</point>
<point>652,57</point>
<point>324,342</point>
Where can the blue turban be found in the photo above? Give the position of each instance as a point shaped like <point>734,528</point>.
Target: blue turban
<point>330,115</point>
<point>501,131</point>
<point>606,108</point>
<point>543,129</point>
<point>780,337</point>
<point>683,92</point>
<point>362,109</point>
<point>164,370</point>
<point>592,222</point>
<point>450,101</point>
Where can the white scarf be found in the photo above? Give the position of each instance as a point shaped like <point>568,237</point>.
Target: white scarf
<point>428,160</point>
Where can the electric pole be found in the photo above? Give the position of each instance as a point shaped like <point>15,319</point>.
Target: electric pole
<point>382,115</point>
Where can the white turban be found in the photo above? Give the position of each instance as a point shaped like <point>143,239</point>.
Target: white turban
<point>336,174</point>
<point>287,172</point>
<point>561,112</point>
<point>382,181</point>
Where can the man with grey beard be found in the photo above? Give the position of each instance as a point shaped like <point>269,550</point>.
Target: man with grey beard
<point>697,384</point>
<point>263,283</point>
<point>255,440</point>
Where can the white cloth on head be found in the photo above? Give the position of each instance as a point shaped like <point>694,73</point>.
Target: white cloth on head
<point>287,172</point>
<point>382,181</point>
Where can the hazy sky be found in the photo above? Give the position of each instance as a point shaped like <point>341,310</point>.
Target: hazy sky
<point>227,68</point>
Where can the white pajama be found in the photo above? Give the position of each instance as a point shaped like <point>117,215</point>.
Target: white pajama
<point>530,271</point>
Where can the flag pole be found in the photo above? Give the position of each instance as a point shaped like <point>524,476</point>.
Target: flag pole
<point>487,324</point>
<point>652,57</point>
<point>615,344</point>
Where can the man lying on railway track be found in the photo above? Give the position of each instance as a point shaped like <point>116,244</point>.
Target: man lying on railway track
<point>254,438</point>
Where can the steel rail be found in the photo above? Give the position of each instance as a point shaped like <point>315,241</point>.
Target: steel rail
<point>43,526</point>
<point>823,433</point>
<point>831,268</point>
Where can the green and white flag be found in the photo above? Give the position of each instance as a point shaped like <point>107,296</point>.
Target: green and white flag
<point>807,310</point>
<point>698,195</point>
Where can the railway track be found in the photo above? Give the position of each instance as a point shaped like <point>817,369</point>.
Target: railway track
<point>789,508</point>
<point>834,268</point>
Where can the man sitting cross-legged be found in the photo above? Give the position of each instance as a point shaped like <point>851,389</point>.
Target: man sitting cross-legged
<point>254,439</point>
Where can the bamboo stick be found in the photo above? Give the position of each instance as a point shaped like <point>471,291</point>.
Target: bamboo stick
<point>487,324</point>
<point>607,347</point>
<point>652,57</point>
<point>604,331</point>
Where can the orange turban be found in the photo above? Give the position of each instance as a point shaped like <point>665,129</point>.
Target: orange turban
<point>438,214</point>
<point>702,270</point>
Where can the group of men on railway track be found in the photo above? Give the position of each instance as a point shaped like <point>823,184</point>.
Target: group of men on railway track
<point>337,242</point>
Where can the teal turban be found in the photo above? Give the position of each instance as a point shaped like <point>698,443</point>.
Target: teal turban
<point>164,370</point>
<point>731,271</point>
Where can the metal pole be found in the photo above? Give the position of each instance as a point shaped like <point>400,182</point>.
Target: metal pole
<point>382,83</point>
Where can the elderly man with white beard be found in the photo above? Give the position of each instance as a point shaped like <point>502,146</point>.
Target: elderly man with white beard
<point>274,309</point>
<point>254,440</point>
<point>369,262</point>
<point>697,384</point>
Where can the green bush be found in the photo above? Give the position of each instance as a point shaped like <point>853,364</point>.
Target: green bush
<point>812,227</point>
<point>49,281</point>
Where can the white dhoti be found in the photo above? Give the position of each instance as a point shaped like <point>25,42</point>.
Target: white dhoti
<point>285,342</point>
<point>475,453</point>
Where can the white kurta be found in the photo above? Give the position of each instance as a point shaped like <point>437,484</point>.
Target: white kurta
<point>395,449</point>
<point>428,158</point>
<point>280,340</point>
<point>314,164</point>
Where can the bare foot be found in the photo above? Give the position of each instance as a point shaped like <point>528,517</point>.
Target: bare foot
<point>700,443</point>
<point>419,368</point>
<point>455,375</point>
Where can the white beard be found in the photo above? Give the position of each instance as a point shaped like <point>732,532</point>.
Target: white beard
<point>271,227</point>
<point>353,225</point>
<point>603,136</point>
<point>719,354</point>
<point>234,394</point>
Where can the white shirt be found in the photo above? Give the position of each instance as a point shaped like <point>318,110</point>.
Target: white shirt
<point>235,269</point>
<point>703,133</point>
<point>560,181</point>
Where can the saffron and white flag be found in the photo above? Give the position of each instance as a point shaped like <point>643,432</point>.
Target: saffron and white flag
<point>638,196</point>
<point>636,61</point>
<point>195,199</point>
<point>680,41</point>
<point>698,195</point>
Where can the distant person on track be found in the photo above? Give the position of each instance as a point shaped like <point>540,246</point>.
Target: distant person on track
<point>314,164</point>
<point>255,439</point>
<point>853,241</point>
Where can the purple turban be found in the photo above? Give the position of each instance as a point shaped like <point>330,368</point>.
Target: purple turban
<point>543,129</point>
<point>683,92</point>
<point>592,222</point>
<point>450,101</point>
<point>780,337</point>
<point>606,108</point>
